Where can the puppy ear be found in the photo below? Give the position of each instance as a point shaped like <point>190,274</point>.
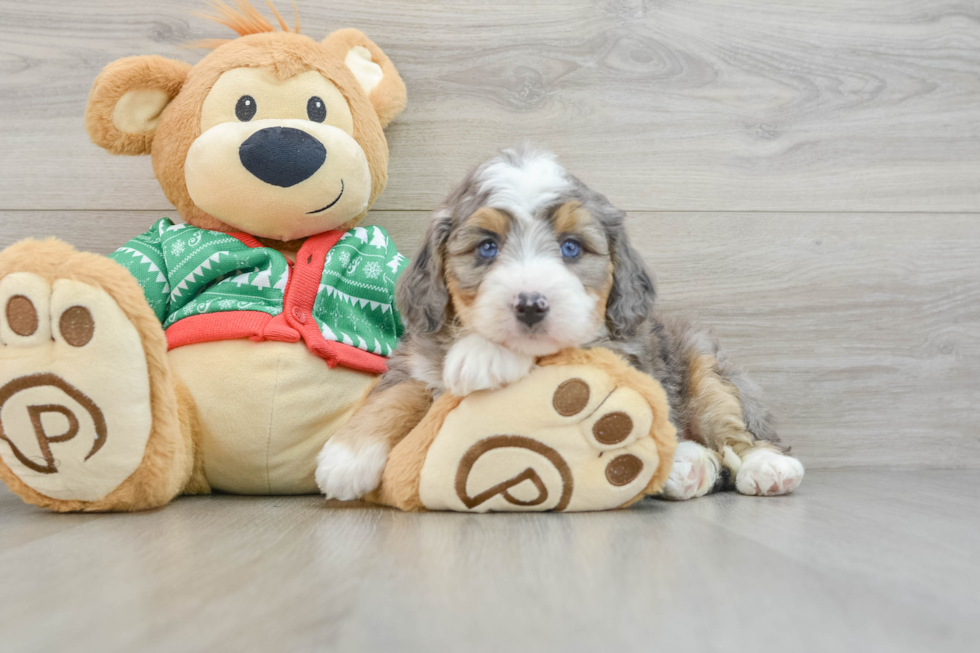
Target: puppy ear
<point>632,294</point>
<point>421,294</point>
<point>127,99</point>
<point>373,70</point>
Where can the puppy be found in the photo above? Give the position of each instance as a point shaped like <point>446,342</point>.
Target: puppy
<point>523,260</point>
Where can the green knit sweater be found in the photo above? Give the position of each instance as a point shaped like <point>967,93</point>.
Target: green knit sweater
<point>207,285</point>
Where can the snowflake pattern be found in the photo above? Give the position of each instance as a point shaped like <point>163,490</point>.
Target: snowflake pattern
<point>226,303</point>
<point>344,258</point>
<point>372,270</point>
<point>177,247</point>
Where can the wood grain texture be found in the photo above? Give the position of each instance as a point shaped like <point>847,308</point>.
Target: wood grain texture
<point>864,329</point>
<point>856,561</point>
<point>842,105</point>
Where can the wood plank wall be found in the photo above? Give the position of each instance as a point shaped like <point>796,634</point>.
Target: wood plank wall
<point>804,177</point>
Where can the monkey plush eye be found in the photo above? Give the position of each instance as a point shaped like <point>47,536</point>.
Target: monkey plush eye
<point>487,249</point>
<point>316,109</point>
<point>245,109</point>
<point>570,249</point>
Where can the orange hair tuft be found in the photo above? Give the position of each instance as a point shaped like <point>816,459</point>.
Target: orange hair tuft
<point>244,20</point>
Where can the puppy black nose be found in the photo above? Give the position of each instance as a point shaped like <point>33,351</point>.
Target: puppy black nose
<point>282,156</point>
<point>531,308</point>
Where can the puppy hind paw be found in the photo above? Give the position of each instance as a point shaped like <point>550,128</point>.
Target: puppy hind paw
<point>765,472</point>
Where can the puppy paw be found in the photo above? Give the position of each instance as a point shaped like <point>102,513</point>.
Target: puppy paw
<point>474,363</point>
<point>693,474</point>
<point>347,475</point>
<point>765,472</point>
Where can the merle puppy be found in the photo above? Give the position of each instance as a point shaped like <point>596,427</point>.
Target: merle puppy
<point>520,261</point>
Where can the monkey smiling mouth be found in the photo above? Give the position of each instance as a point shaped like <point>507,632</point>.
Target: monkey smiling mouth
<point>337,199</point>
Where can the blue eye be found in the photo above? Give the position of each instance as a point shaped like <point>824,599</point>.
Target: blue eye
<point>488,249</point>
<point>570,249</point>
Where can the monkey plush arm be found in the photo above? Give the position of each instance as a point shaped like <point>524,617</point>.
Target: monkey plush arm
<point>583,431</point>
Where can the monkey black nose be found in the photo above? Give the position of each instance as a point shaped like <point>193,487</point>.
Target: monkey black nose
<point>282,156</point>
<point>531,308</point>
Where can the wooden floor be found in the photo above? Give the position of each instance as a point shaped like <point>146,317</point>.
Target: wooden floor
<point>857,560</point>
<point>804,177</point>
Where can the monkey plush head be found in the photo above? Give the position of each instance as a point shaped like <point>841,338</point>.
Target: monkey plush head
<point>273,133</point>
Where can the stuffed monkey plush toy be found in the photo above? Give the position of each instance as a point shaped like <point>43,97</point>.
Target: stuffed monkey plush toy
<point>223,352</point>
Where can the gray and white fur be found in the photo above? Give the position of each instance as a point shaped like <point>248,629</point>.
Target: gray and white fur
<point>528,186</point>
<point>522,260</point>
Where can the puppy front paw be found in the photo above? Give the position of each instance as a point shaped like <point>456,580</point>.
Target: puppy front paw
<point>344,474</point>
<point>474,363</point>
<point>693,474</point>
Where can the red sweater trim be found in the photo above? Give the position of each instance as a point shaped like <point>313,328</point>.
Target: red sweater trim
<point>296,320</point>
<point>230,325</point>
<point>259,327</point>
<point>245,239</point>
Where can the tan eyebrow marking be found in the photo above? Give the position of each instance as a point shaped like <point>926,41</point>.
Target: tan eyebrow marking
<point>490,219</point>
<point>569,217</point>
<point>461,300</point>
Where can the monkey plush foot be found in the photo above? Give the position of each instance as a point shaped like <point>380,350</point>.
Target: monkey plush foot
<point>582,432</point>
<point>88,415</point>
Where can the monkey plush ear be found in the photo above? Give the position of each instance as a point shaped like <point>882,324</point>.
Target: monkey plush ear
<point>127,99</point>
<point>373,70</point>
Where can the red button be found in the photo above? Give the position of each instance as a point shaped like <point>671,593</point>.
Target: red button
<point>299,315</point>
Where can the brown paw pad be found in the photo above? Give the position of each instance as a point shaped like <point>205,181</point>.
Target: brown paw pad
<point>623,469</point>
<point>21,315</point>
<point>613,428</point>
<point>571,397</point>
<point>77,326</point>
<point>25,316</point>
<point>618,422</point>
